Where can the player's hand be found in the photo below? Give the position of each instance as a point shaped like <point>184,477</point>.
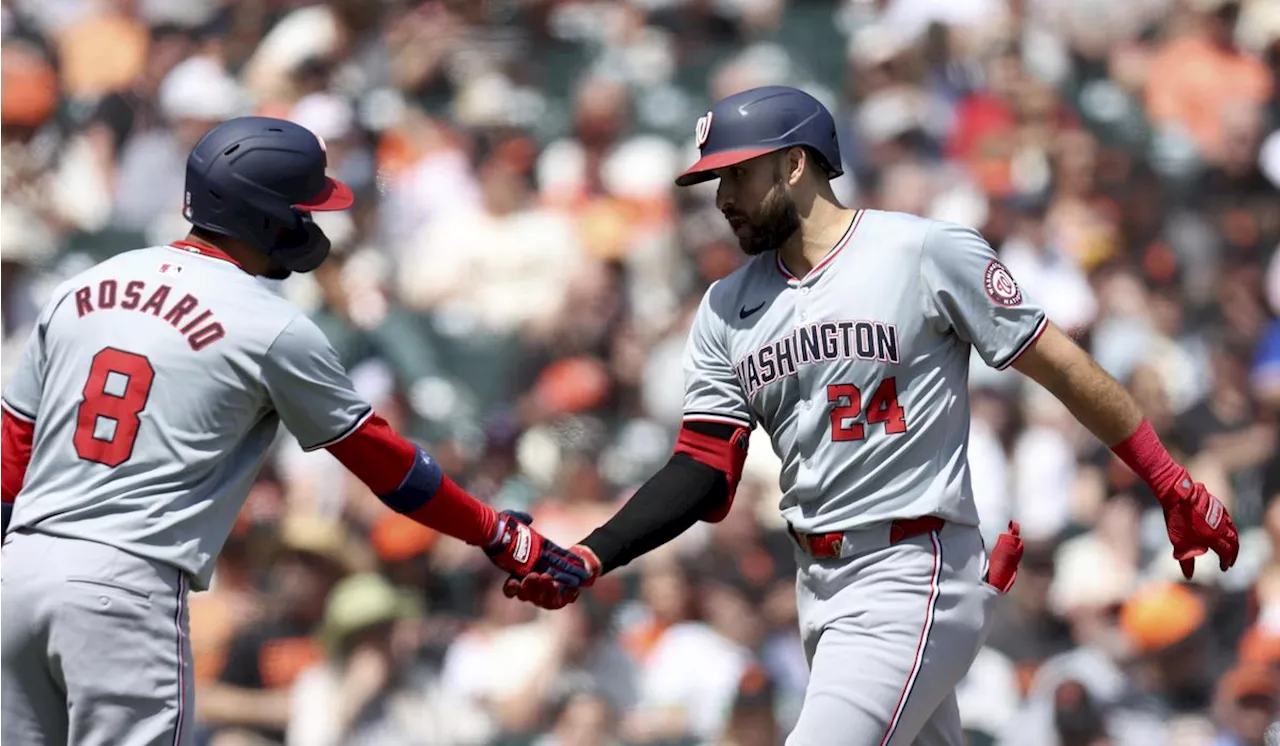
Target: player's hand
<point>542,589</point>
<point>1198,522</point>
<point>522,551</point>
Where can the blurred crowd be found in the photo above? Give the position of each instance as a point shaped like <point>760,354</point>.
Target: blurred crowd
<point>514,288</point>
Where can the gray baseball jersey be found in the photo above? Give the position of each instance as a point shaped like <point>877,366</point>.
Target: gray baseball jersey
<point>859,370</point>
<point>157,381</point>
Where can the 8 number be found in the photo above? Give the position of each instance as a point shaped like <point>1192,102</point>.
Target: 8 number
<point>108,399</point>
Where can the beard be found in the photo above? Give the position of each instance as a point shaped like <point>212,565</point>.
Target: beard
<point>774,222</point>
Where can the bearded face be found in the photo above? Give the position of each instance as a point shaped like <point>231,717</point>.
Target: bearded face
<point>757,201</point>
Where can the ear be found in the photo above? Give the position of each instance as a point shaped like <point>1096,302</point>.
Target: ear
<point>794,164</point>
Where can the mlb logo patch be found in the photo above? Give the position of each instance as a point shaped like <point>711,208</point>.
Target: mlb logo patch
<point>170,269</point>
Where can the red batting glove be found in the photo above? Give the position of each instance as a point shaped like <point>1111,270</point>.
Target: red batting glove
<point>1006,555</point>
<point>522,551</point>
<point>548,591</point>
<point>1198,522</point>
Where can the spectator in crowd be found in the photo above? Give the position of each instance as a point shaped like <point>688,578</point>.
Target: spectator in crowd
<point>1248,706</point>
<point>369,689</point>
<point>249,704</point>
<point>581,719</point>
<point>689,679</point>
<point>753,720</point>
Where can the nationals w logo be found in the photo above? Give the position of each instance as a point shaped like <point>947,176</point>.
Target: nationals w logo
<point>702,130</point>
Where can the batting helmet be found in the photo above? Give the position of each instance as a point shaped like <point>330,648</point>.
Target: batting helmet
<point>759,121</point>
<point>258,179</point>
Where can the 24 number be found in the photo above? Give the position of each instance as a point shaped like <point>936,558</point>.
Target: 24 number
<point>883,407</point>
<point>115,394</point>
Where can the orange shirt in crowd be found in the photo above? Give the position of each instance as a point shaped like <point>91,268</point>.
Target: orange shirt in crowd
<point>1191,81</point>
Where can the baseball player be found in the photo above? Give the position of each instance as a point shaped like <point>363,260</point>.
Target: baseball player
<point>144,404</point>
<point>847,336</point>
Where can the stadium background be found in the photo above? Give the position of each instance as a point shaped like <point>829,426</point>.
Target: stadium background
<point>514,289</point>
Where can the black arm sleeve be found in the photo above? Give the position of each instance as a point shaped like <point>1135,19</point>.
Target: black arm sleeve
<point>664,507</point>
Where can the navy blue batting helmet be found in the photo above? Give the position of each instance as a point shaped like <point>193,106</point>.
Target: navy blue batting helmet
<point>258,179</point>
<point>759,121</point>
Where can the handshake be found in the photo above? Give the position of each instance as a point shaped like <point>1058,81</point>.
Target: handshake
<point>542,572</point>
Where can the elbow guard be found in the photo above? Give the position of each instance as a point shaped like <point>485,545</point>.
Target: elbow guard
<point>723,448</point>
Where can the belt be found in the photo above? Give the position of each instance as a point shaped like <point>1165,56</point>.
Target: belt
<point>826,546</point>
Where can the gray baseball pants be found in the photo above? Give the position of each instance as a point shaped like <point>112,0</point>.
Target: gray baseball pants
<point>889,630</point>
<point>95,646</point>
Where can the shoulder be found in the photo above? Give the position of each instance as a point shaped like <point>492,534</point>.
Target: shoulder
<point>105,269</point>
<point>900,234</point>
<point>913,230</point>
<point>900,225</point>
<point>946,246</point>
<point>297,335</point>
<point>123,261</point>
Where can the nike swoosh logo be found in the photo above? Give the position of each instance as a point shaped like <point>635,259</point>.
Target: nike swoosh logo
<point>744,312</point>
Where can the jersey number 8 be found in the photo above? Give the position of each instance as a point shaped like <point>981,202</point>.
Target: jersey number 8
<point>115,394</point>
<point>883,407</point>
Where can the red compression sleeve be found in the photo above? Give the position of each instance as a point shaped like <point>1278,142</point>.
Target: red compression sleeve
<point>1150,460</point>
<point>377,454</point>
<point>457,513</point>
<point>382,459</point>
<point>16,436</point>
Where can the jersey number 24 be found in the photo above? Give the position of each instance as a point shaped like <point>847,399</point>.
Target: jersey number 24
<point>113,397</point>
<point>883,407</point>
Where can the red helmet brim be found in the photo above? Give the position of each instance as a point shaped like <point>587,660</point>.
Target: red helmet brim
<point>334,196</point>
<point>702,170</point>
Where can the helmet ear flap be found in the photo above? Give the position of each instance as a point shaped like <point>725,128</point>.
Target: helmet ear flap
<point>303,247</point>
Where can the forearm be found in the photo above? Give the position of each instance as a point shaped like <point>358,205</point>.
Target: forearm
<point>1102,405</point>
<point>675,498</point>
<point>411,483</point>
<point>1096,399</point>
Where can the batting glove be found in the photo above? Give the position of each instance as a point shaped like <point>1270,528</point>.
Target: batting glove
<point>1006,555</point>
<point>521,551</point>
<point>549,592</point>
<point>1198,522</point>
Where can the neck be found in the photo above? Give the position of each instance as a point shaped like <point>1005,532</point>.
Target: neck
<point>821,226</point>
<point>250,261</point>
